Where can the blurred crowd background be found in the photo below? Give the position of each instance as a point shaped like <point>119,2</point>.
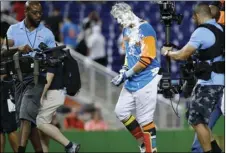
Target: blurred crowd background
<point>93,34</point>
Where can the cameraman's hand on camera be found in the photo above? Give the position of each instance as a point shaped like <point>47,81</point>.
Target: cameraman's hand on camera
<point>119,79</point>
<point>165,50</point>
<point>25,49</point>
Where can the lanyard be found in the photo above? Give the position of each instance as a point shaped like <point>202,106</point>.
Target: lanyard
<point>32,46</point>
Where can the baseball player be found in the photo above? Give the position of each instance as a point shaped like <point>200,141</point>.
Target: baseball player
<point>141,76</point>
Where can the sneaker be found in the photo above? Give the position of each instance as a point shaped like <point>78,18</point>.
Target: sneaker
<point>154,150</point>
<point>74,149</point>
<point>142,148</point>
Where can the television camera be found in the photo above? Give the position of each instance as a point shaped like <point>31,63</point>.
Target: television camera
<point>34,62</point>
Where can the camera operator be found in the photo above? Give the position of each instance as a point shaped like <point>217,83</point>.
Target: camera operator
<point>52,98</point>
<point>25,36</point>
<point>8,124</point>
<point>207,40</point>
<point>216,12</point>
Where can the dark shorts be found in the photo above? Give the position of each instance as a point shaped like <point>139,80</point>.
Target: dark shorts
<point>8,122</point>
<point>27,98</point>
<point>203,102</point>
<point>7,119</point>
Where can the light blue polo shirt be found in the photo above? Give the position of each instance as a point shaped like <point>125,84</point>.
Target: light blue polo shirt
<point>205,38</point>
<point>17,33</point>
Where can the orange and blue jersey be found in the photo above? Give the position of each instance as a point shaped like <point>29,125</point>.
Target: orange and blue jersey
<point>144,53</point>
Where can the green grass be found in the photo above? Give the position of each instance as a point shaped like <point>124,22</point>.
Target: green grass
<point>122,141</point>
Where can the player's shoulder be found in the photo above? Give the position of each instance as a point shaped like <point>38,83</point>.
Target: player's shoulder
<point>146,29</point>
<point>145,25</point>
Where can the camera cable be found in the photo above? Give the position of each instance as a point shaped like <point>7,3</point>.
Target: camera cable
<point>175,111</point>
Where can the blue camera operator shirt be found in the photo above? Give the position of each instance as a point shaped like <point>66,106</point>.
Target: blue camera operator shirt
<point>22,36</point>
<point>17,33</point>
<point>205,38</point>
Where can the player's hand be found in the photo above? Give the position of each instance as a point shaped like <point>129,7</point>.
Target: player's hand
<point>165,50</point>
<point>124,69</point>
<point>119,79</point>
<point>25,49</point>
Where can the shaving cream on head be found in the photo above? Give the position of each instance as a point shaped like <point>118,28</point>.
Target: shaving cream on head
<point>123,14</point>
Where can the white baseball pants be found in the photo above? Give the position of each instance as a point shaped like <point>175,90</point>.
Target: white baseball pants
<point>142,101</point>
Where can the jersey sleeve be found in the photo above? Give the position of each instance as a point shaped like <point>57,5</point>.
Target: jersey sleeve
<point>148,44</point>
<point>148,47</point>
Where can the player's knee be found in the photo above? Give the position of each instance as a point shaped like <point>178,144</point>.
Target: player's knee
<point>121,113</point>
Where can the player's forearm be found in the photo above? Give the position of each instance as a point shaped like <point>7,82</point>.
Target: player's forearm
<point>142,64</point>
<point>138,67</point>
